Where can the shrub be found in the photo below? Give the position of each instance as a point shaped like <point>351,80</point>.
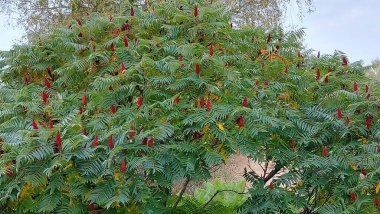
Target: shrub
<point>106,114</point>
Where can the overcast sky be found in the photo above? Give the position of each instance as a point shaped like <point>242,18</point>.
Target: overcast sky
<point>352,26</point>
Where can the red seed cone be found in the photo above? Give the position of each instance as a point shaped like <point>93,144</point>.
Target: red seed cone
<point>151,142</point>
<point>180,58</point>
<point>318,74</point>
<point>327,79</point>
<point>196,135</point>
<point>211,50</point>
<point>47,83</point>
<point>241,121</point>
<point>347,121</point>
<point>245,102</point>
<point>8,172</point>
<point>112,47</point>
<point>58,140</point>
<point>132,13</point>
<point>110,143</point>
<point>177,100</point>
<point>79,22</point>
<point>344,61</point>
<point>84,100</point>
<point>145,141</point>
<point>363,172</point>
<point>44,97</point>
<point>132,132</point>
<point>91,206</point>
<point>339,113</point>
<point>125,39</point>
<point>96,141</point>
<point>202,102</point>
<point>324,151</point>
<point>356,88</point>
<point>271,185</point>
<point>352,197</point>
<point>51,124</point>
<point>122,66</point>
<point>268,39</point>
<point>292,143</point>
<point>123,166</point>
<point>197,68</point>
<point>208,105</point>
<point>368,122</point>
<point>377,202</point>
<point>113,109</point>
<point>34,124</point>
<point>195,11</point>
<point>139,102</point>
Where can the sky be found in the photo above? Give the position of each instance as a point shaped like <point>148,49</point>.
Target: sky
<point>351,26</point>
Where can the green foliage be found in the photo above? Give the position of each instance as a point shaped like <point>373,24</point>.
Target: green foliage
<point>161,133</point>
<point>215,197</point>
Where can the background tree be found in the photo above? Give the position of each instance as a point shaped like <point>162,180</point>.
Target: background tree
<point>39,17</point>
<point>105,114</point>
<point>265,13</point>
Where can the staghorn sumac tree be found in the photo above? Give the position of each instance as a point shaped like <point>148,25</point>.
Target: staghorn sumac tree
<point>105,115</point>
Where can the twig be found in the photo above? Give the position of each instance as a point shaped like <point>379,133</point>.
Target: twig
<point>182,192</point>
<point>219,191</point>
<point>266,169</point>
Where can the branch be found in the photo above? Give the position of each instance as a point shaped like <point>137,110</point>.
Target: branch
<point>219,191</point>
<point>181,193</point>
<point>272,173</point>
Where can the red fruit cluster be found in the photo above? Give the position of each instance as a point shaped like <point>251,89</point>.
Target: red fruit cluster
<point>324,151</point>
<point>132,132</point>
<point>195,11</point>
<point>240,121</point>
<point>208,105</point>
<point>352,196</point>
<point>44,97</point>
<point>123,165</point>
<point>58,141</point>
<point>245,102</point>
<point>96,141</point>
<point>197,68</point>
<point>211,50</point>
<point>292,143</point>
<point>202,102</point>
<point>110,143</point>
<point>140,102</point>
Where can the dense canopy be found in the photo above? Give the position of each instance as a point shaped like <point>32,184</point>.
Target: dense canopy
<point>108,113</point>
